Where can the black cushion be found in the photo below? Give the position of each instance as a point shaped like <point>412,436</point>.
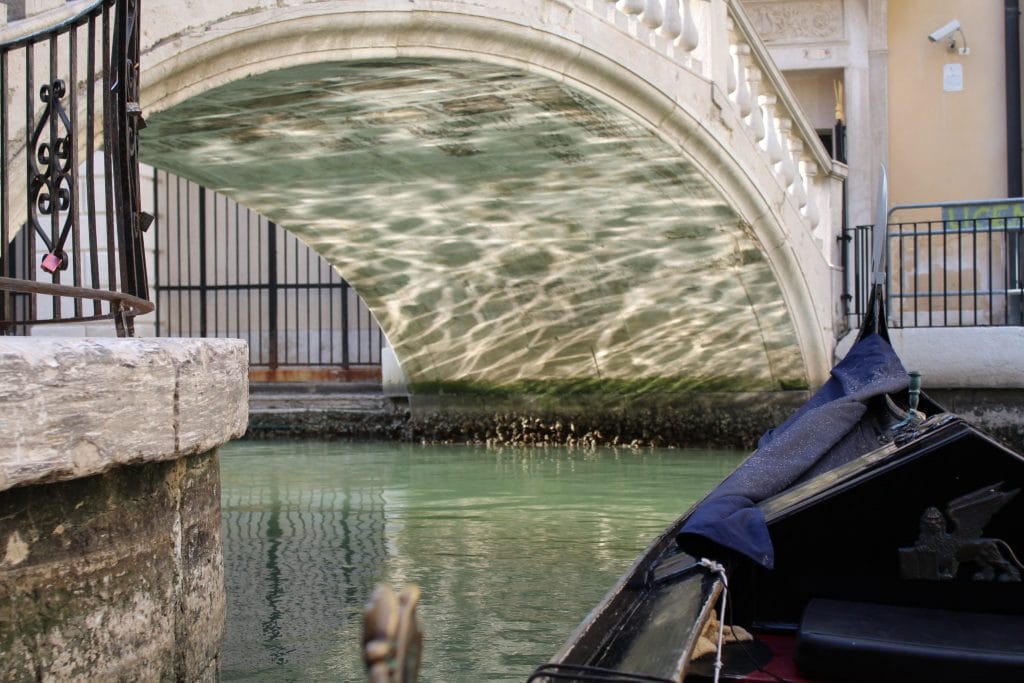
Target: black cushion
<point>851,641</point>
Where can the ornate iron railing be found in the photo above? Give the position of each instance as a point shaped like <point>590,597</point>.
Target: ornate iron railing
<point>69,178</point>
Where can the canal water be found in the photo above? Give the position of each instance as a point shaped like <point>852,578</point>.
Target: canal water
<point>512,548</point>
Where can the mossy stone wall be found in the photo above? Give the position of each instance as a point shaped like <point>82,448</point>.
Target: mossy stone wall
<point>114,577</point>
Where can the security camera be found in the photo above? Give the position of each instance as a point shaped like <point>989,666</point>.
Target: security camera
<point>944,31</point>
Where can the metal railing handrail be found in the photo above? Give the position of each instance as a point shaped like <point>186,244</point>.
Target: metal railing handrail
<point>951,205</point>
<point>1015,226</point>
<point>128,304</point>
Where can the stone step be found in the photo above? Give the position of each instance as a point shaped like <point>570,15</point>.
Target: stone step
<point>260,402</point>
<point>315,388</point>
<point>323,410</point>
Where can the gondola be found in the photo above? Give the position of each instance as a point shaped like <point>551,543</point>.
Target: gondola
<point>872,536</point>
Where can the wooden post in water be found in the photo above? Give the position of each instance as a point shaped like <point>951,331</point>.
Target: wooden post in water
<point>392,640</point>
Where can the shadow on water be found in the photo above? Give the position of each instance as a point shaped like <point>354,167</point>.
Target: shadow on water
<point>511,547</point>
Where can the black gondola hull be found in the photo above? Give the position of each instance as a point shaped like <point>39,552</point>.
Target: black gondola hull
<point>849,538</point>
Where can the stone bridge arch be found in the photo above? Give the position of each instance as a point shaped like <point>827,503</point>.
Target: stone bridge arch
<point>693,103</point>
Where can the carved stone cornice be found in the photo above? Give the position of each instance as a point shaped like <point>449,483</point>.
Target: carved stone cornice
<point>797,21</point>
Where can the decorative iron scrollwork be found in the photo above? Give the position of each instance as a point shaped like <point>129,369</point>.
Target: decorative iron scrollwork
<point>51,177</point>
<point>58,130</point>
<point>938,553</point>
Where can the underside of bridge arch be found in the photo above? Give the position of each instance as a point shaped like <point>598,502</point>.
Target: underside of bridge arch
<point>508,231</point>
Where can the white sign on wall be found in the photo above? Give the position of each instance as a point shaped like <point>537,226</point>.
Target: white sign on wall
<point>953,77</point>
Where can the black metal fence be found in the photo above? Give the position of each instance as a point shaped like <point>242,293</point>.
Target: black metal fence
<point>223,270</point>
<point>856,255</point>
<point>961,269</point>
<point>71,85</point>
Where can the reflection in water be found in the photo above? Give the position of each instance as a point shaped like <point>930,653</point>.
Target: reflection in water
<point>512,548</point>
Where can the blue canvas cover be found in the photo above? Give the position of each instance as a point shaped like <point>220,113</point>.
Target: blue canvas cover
<point>824,433</point>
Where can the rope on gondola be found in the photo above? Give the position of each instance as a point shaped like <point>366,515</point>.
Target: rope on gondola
<point>717,568</point>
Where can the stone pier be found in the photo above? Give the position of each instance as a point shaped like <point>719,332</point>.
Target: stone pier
<point>110,551</point>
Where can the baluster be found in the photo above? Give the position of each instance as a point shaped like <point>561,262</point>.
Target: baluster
<point>771,137</point>
<point>796,148</point>
<point>631,6</point>
<point>811,210</point>
<point>787,169</point>
<point>653,15</point>
<point>730,81</point>
<point>743,99</point>
<point>756,120</point>
<point>672,27</point>
<point>690,37</point>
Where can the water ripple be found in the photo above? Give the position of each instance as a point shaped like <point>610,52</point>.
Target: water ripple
<point>511,548</point>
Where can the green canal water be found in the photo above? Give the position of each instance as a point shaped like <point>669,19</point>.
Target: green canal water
<point>512,548</point>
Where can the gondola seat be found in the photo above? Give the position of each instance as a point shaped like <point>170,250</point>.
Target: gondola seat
<point>851,641</point>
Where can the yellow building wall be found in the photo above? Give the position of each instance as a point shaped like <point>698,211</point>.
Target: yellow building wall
<point>946,146</point>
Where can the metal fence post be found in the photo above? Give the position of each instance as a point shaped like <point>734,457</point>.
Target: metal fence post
<point>272,292</point>
<point>202,262</point>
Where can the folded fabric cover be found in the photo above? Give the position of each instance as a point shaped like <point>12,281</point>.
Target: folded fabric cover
<point>827,431</point>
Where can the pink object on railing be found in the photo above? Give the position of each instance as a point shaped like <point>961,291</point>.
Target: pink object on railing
<point>54,262</point>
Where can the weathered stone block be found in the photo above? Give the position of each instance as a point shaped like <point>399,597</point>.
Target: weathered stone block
<point>110,554</point>
<point>201,609</point>
<point>76,407</point>
<point>113,577</point>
